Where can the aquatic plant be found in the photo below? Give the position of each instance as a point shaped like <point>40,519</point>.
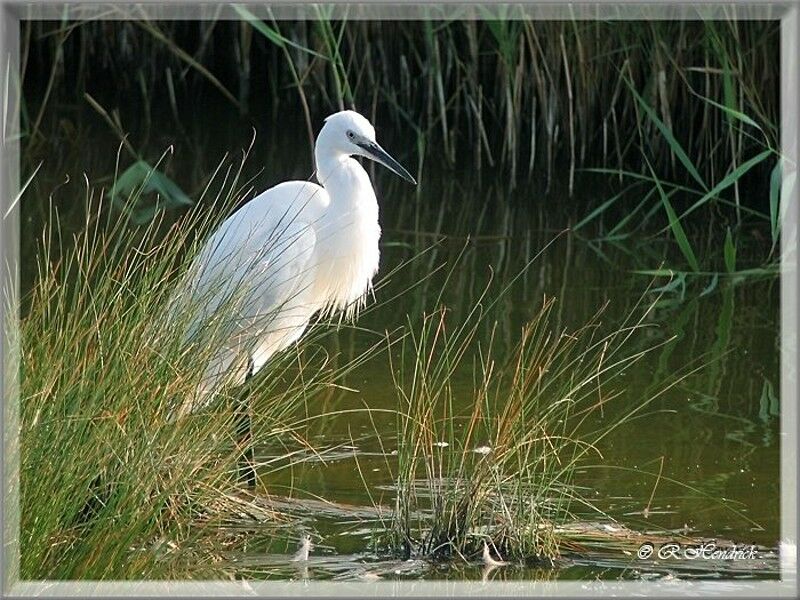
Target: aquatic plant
<point>730,221</point>
<point>682,115</point>
<point>499,91</point>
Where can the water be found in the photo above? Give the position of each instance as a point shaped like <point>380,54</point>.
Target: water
<point>715,431</point>
<point>712,436</point>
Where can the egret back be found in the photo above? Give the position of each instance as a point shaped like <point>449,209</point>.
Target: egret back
<point>249,291</point>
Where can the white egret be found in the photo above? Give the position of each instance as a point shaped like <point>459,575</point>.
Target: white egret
<point>295,251</point>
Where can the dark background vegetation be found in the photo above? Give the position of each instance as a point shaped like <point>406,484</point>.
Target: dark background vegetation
<point>524,101</point>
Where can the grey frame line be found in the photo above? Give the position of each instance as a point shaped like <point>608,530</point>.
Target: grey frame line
<point>396,10</point>
<point>787,12</point>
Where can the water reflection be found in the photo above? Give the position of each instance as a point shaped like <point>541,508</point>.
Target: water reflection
<point>707,444</point>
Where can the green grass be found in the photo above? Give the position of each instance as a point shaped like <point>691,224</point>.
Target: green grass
<point>705,201</point>
<point>687,109</point>
<point>112,485</point>
<point>500,92</point>
<point>111,489</point>
<point>504,469</point>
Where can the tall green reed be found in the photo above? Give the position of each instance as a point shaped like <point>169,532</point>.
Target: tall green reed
<point>506,89</point>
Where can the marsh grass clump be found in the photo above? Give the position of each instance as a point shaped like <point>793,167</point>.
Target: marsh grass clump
<point>504,471</point>
<point>103,473</point>
<point>112,483</point>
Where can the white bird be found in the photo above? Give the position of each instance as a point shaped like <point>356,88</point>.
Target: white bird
<point>305,547</point>
<point>488,560</point>
<point>295,251</point>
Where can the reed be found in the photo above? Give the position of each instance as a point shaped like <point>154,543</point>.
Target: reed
<point>499,92</point>
<point>716,202</point>
<point>681,114</point>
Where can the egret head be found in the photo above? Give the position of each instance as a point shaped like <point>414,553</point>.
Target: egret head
<point>351,134</point>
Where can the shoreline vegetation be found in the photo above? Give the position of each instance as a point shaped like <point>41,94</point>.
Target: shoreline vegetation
<point>675,121</point>
<point>513,94</point>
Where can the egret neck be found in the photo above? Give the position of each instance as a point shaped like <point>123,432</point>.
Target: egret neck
<point>349,229</point>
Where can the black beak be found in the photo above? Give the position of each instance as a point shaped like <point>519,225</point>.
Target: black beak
<point>376,153</point>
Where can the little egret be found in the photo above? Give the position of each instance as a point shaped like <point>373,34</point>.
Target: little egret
<point>295,251</point>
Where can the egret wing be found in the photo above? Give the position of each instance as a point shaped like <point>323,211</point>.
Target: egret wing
<point>250,292</point>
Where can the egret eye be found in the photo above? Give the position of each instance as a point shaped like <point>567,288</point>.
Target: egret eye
<point>351,135</point>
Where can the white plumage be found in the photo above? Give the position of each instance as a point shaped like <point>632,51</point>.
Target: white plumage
<point>295,251</point>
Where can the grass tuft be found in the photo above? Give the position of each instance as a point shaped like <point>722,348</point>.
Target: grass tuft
<point>113,486</point>
<point>503,471</point>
